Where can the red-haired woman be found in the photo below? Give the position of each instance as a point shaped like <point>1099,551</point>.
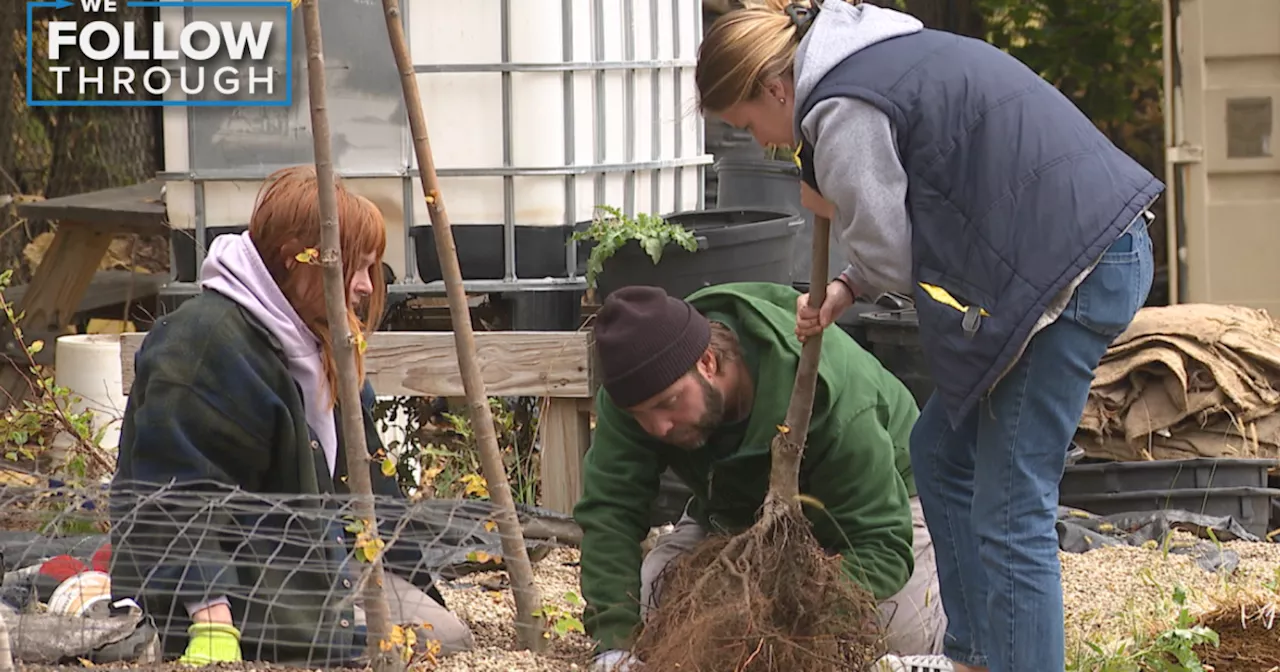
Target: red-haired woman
<point>236,389</point>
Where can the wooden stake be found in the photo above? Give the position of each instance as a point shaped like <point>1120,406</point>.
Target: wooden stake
<point>529,629</point>
<point>377,613</point>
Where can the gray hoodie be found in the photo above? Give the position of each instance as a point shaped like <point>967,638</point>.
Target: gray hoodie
<point>856,154</point>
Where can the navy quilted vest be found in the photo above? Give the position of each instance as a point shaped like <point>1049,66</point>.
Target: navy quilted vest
<point>1012,193</point>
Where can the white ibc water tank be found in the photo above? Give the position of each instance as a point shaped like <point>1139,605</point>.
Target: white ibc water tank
<point>538,111</point>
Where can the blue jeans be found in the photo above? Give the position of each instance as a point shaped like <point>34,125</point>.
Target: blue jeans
<point>990,488</point>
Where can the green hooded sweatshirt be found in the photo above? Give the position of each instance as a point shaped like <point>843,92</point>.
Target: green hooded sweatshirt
<point>856,462</point>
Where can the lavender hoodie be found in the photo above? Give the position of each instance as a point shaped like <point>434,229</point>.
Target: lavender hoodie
<point>234,269</point>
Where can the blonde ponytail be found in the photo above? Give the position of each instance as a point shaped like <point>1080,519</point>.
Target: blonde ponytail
<point>744,49</point>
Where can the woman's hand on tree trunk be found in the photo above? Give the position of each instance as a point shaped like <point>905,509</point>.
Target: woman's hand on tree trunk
<point>810,321</point>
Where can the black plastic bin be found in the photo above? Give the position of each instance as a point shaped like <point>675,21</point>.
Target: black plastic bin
<point>540,251</point>
<point>735,245</point>
<point>1123,477</point>
<point>1250,507</point>
<point>894,336</point>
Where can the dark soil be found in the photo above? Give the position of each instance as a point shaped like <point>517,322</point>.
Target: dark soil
<point>1248,647</point>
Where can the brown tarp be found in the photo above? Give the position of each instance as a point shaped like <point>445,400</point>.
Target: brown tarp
<point>1194,380</point>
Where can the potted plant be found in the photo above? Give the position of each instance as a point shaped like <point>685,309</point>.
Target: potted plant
<point>685,251</point>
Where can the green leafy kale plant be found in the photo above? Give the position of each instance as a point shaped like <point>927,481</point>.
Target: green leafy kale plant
<point>610,230</point>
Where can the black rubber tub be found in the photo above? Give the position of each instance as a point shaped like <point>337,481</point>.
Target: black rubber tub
<point>734,245</point>
<point>183,242</point>
<point>540,251</point>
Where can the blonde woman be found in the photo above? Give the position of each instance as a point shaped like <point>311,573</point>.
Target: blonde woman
<point>953,173</point>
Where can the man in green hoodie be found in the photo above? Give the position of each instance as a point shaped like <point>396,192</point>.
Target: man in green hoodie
<point>700,386</point>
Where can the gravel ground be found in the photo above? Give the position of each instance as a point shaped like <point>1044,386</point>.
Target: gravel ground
<point>484,601</point>
<point>1109,594</point>
<point>1120,592</point>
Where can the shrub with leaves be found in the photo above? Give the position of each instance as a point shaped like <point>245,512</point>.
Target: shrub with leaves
<point>439,456</point>
<point>559,620</point>
<point>44,435</point>
<point>30,430</point>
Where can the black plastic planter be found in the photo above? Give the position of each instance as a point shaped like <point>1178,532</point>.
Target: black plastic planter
<point>774,184</point>
<point>746,181</point>
<point>540,251</point>
<point>734,245</point>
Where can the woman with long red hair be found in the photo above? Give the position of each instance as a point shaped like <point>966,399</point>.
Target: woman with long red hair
<point>236,390</point>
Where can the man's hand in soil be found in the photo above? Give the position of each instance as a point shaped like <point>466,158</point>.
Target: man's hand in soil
<point>211,643</point>
<point>616,661</point>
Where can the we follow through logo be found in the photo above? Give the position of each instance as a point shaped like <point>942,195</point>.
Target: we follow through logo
<point>224,53</point>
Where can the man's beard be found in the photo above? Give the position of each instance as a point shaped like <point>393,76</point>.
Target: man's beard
<point>696,435</point>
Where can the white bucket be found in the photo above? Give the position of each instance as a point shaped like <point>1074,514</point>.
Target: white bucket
<point>89,366</point>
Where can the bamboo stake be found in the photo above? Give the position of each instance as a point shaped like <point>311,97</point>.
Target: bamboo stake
<point>377,613</point>
<point>529,630</point>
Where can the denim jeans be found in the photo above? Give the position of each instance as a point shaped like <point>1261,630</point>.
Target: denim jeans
<point>990,487</point>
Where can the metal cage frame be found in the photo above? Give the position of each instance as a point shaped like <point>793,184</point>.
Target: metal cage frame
<point>631,165</point>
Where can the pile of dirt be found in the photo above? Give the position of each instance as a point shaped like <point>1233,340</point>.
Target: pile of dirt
<point>1187,381</point>
<point>1244,645</point>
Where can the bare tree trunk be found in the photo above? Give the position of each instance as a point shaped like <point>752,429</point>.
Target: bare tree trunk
<point>788,446</point>
<point>377,614</point>
<point>529,629</point>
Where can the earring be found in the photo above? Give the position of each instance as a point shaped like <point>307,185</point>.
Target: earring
<point>782,100</point>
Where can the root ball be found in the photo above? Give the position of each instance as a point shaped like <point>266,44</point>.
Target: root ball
<point>767,600</point>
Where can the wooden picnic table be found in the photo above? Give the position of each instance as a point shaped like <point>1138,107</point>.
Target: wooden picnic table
<point>86,225</point>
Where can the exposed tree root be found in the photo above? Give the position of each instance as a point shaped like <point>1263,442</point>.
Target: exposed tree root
<point>767,600</point>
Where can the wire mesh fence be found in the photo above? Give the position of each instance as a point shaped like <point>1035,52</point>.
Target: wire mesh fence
<point>117,573</point>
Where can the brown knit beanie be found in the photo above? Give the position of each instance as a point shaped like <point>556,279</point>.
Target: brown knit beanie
<point>645,340</point>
